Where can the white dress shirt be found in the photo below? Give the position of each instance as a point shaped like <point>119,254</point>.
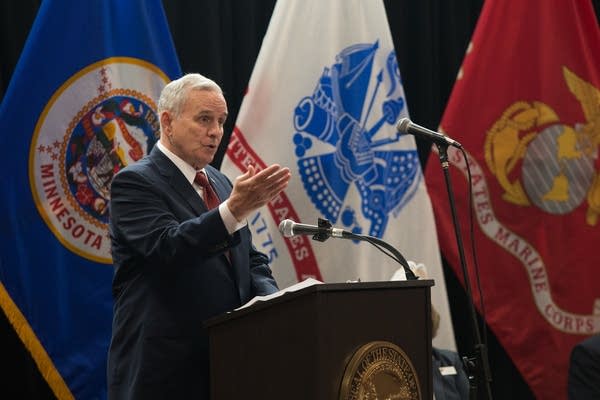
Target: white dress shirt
<point>231,223</point>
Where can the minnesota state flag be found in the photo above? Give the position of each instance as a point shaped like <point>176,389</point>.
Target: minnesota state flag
<point>526,107</point>
<point>80,106</point>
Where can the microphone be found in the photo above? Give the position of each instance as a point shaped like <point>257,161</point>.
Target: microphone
<point>406,126</point>
<point>324,230</point>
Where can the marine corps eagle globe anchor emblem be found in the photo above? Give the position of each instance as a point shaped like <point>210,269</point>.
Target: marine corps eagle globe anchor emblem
<point>559,162</point>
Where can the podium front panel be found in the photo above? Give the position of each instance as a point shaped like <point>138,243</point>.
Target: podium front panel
<point>298,346</point>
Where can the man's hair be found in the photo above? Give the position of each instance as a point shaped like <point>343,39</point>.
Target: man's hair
<point>174,94</point>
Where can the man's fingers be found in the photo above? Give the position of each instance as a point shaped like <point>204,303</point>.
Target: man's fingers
<point>250,171</point>
<point>282,174</point>
<point>268,172</point>
<point>263,184</point>
<point>278,181</point>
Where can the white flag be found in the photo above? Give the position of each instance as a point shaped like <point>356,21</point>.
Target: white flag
<point>323,99</point>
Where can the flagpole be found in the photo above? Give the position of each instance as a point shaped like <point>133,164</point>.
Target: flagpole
<point>477,365</point>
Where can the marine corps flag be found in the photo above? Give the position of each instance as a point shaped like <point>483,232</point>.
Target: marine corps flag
<point>80,106</point>
<point>324,98</point>
<point>526,107</point>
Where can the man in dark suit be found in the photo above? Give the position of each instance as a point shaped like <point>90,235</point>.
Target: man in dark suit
<point>177,261</point>
<point>584,370</point>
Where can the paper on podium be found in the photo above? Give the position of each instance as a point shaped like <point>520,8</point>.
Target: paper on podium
<point>300,285</point>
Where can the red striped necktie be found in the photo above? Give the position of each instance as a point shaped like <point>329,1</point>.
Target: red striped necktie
<point>210,196</point>
<point>211,199</point>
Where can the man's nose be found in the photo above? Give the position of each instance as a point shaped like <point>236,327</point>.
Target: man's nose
<point>215,129</point>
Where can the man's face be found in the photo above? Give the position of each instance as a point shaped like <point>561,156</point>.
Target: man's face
<point>196,133</point>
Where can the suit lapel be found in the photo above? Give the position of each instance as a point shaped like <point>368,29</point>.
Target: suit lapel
<point>218,183</point>
<point>222,187</point>
<point>177,181</point>
<point>180,185</point>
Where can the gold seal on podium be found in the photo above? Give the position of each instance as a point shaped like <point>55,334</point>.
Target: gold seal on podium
<point>380,370</point>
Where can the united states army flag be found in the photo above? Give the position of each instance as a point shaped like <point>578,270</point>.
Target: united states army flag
<point>324,98</point>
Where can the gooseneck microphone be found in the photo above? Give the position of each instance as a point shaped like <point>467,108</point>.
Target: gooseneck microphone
<point>324,231</point>
<point>289,228</point>
<point>406,126</point>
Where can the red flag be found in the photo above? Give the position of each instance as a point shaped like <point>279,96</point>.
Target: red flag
<point>526,107</point>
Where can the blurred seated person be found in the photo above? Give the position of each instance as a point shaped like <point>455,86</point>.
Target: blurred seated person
<point>450,380</point>
<point>584,370</point>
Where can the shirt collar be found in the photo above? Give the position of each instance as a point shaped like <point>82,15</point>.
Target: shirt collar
<point>186,169</point>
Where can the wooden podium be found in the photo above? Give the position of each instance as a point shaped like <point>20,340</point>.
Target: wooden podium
<point>326,341</point>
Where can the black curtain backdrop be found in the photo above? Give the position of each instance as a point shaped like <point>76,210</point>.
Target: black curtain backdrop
<point>221,39</point>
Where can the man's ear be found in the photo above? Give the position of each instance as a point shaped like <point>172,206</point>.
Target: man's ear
<point>165,123</point>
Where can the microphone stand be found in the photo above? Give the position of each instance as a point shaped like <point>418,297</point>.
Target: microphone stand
<point>477,365</point>
<point>327,231</point>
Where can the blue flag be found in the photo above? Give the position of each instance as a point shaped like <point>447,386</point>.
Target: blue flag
<point>81,105</point>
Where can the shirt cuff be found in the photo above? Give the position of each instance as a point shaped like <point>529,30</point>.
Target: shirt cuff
<point>231,223</point>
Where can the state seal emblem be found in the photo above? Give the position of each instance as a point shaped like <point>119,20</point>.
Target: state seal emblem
<point>380,370</point>
<point>100,120</point>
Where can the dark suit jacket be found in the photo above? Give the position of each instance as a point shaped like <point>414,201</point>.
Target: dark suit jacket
<point>453,386</point>
<point>584,370</point>
<point>171,274</point>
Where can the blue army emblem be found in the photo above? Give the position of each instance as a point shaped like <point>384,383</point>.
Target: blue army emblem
<point>345,142</point>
